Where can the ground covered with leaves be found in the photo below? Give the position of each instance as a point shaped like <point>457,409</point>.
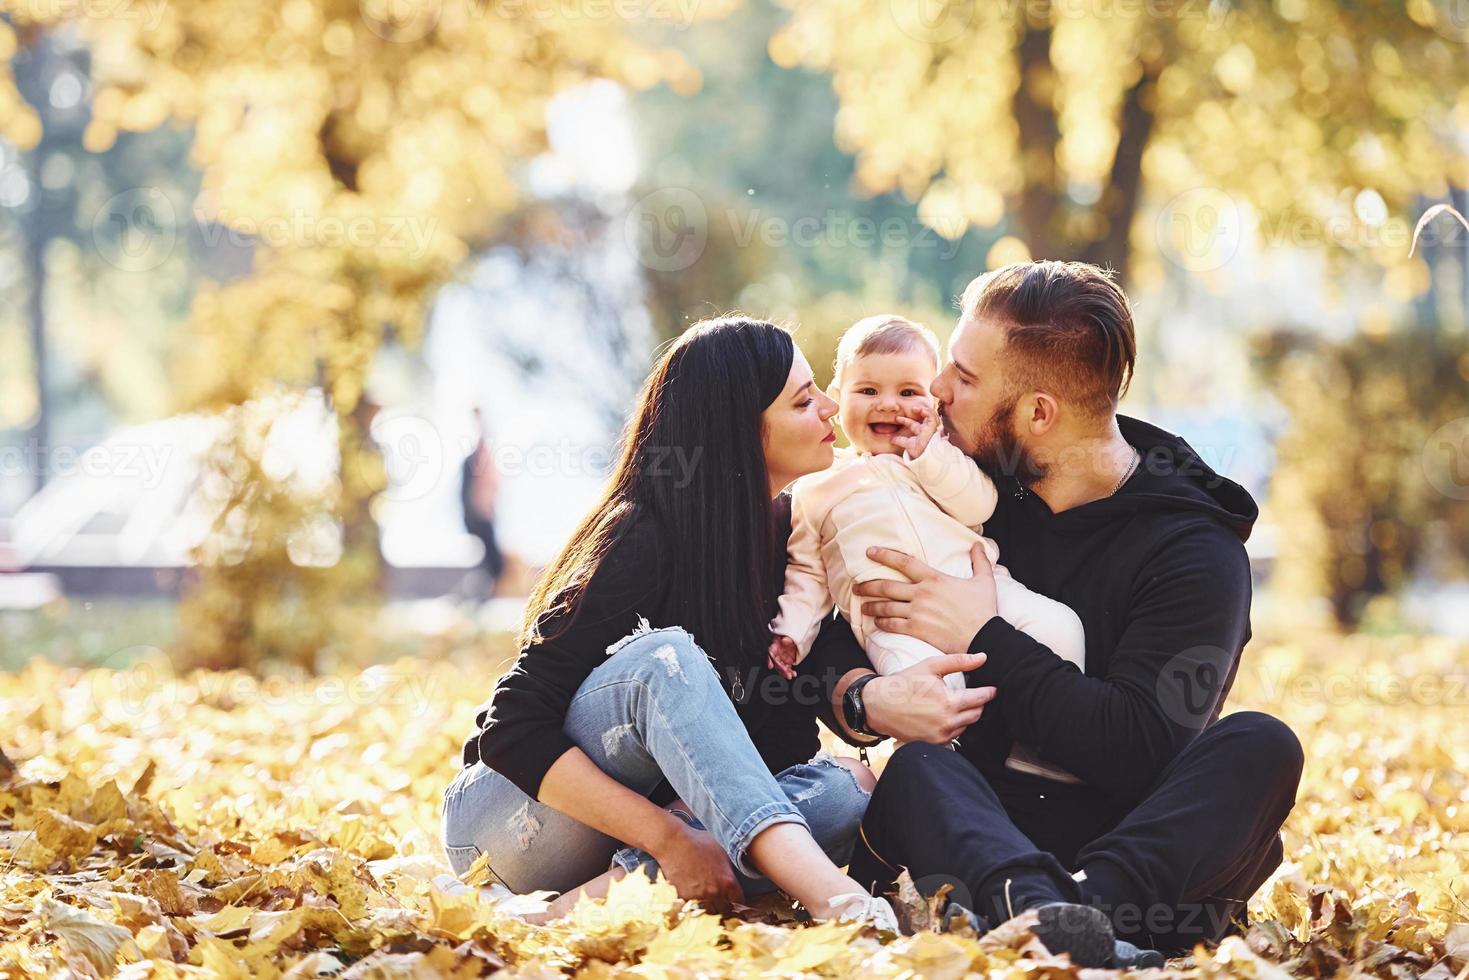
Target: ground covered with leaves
<point>222,824</point>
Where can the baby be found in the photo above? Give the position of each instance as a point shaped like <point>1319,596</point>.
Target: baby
<point>901,485</point>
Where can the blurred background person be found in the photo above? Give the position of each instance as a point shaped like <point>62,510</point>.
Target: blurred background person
<point>479,487</point>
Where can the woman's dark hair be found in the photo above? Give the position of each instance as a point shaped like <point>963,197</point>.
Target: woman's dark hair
<point>692,458</point>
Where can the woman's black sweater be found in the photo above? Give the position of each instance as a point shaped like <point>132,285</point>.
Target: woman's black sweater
<point>520,729</point>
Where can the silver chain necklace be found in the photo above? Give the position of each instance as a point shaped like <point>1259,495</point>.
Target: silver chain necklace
<point>1137,458</point>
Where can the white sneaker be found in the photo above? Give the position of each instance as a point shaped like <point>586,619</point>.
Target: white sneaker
<point>862,907</point>
<point>505,899</point>
<point>450,885</point>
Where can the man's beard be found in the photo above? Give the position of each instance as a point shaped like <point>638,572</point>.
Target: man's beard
<point>999,452</point>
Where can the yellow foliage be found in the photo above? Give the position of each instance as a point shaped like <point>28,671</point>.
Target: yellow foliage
<point>1288,109</point>
<point>269,830</point>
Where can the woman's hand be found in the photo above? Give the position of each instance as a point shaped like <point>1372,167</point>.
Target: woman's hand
<point>694,862</point>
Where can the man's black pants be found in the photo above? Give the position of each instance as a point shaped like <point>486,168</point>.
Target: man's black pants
<point>1172,870</point>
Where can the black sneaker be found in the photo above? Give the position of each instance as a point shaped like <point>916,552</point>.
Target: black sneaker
<point>957,918</point>
<point>1130,957</point>
<point>1080,931</point>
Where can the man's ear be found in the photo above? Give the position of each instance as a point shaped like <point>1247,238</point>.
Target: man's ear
<point>833,390</point>
<point>1044,414</point>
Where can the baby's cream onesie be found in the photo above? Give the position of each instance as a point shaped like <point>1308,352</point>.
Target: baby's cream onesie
<point>933,508</point>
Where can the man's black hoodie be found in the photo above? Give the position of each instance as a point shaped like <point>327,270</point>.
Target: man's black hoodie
<point>1159,576</point>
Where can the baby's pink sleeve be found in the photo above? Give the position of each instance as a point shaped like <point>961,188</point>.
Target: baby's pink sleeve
<point>806,600</point>
<point>955,482</point>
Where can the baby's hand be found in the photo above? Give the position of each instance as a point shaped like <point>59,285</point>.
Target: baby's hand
<point>920,432</point>
<point>782,656</point>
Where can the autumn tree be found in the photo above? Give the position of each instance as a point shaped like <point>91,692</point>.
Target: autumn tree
<point>78,326</point>
<point>1065,118</point>
<point>1371,484</point>
<point>366,149</point>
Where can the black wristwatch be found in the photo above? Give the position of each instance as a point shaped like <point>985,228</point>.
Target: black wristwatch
<point>854,711</point>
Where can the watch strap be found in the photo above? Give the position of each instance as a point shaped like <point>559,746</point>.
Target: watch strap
<point>854,708</point>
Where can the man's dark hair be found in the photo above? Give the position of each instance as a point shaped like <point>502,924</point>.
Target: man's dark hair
<point>1068,330</point>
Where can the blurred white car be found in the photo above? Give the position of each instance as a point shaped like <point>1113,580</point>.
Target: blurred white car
<point>142,498</point>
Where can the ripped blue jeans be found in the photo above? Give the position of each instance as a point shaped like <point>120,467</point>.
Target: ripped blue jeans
<point>654,709</point>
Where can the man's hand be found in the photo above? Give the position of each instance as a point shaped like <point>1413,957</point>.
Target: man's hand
<point>942,610</point>
<point>915,705</point>
<point>919,431</point>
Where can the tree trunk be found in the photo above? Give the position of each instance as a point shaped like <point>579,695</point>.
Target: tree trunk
<point>32,79</point>
<point>1034,107</point>
<point>35,260</point>
<point>1119,201</point>
<point>360,533</point>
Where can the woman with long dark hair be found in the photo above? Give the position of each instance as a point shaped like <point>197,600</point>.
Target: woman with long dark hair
<point>641,727</point>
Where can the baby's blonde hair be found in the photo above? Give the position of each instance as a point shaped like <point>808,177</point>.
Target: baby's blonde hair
<point>885,333</point>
